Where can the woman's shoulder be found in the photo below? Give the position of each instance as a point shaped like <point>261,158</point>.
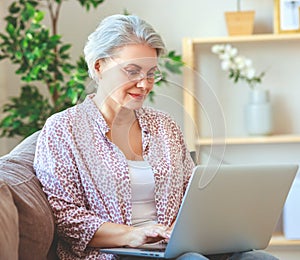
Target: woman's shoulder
<point>157,120</point>
<point>61,118</point>
<point>61,123</point>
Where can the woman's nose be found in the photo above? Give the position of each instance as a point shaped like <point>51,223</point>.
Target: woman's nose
<point>143,83</point>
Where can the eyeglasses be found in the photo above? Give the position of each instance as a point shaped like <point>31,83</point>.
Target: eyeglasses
<point>134,73</point>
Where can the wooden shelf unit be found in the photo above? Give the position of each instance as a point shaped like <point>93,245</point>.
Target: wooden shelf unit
<point>188,53</point>
<point>189,44</point>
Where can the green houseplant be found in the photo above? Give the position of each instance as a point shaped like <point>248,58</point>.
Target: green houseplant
<point>43,61</point>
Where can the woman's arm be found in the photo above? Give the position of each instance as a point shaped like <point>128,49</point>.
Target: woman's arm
<point>118,235</point>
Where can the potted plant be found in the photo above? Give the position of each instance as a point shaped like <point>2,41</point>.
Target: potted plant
<point>239,22</point>
<point>258,110</point>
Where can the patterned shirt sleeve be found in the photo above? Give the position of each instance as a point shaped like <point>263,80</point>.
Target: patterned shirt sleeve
<point>55,166</point>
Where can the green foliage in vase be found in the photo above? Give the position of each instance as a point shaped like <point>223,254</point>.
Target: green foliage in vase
<point>43,61</point>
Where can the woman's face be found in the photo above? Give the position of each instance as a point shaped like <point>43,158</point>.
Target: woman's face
<point>123,78</point>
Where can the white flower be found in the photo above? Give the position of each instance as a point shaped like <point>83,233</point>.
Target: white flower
<point>224,56</point>
<point>240,62</point>
<point>233,52</point>
<point>248,63</point>
<point>250,73</point>
<point>239,66</point>
<point>217,48</point>
<point>226,65</point>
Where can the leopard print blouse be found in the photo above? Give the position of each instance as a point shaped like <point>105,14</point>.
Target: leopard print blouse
<point>86,177</point>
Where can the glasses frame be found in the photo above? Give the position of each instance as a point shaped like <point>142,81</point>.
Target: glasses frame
<point>141,76</point>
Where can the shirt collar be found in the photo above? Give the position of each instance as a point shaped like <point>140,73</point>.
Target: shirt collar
<point>94,114</point>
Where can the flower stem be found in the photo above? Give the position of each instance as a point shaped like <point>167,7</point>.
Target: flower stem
<point>238,5</point>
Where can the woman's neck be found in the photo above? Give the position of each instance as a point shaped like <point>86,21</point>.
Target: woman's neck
<point>115,114</point>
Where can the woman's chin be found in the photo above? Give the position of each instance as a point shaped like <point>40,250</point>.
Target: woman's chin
<point>134,104</point>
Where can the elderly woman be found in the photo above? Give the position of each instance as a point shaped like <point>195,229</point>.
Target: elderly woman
<point>115,172</point>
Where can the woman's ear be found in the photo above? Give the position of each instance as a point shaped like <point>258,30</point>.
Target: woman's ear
<point>97,66</point>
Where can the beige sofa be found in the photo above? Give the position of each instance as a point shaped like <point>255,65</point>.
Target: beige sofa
<point>26,220</point>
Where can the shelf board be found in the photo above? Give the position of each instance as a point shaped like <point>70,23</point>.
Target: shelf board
<point>272,139</point>
<point>280,240</point>
<point>247,38</point>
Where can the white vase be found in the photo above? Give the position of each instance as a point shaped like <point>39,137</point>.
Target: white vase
<point>258,113</point>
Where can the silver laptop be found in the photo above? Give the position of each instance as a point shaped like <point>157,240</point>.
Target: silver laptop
<point>230,208</point>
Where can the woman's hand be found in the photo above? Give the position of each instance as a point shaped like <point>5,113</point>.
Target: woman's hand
<point>117,235</point>
<point>169,231</point>
<point>148,234</point>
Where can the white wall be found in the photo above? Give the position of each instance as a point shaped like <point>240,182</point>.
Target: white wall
<point>174,19</point>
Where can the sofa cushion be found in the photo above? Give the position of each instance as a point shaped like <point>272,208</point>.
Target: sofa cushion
<point>9,235</point>
<point>36,223</point>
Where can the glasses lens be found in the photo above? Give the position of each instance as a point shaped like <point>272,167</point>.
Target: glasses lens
<point>155,76</point>
<point>135,75</point>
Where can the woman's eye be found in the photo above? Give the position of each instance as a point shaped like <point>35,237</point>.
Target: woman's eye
<point>133,72</point>
<point>151,75</point>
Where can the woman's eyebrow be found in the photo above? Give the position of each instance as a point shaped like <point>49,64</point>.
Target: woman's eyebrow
<point>139,67</point>
<point>134,65</point>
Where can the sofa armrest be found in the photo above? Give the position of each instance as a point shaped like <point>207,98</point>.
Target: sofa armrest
<point>9,225</point>
<point>35,219</point>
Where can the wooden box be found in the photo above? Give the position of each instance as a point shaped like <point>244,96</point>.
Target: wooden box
<point>240,23</point>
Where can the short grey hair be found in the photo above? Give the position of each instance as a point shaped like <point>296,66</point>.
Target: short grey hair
<point>117,31</point>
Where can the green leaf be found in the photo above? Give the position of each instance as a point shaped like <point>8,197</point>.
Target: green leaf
<point>64,48</point>
<point>88,3</point>
<point>3,57</point>
<point>19,55</point>
<point>24,43</point>
<point>33,2</point>
<point>38,17</point>
<point>55,38</point>
<point>173,67</point>
<point>13,9</point>
<point>34,72</point>
<point>10,29</point>
<point>28,12</point>
<point>151,96</point>
<point>7,121</point>
<point>35,26</point>
<point>3,37</point>
<point>11,20</point>
<point>26,78</point>
<point>29,36</point>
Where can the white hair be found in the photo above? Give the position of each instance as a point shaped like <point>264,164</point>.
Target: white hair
<point>118,31</point>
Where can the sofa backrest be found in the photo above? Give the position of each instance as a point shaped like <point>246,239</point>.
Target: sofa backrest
<point>35,218</point>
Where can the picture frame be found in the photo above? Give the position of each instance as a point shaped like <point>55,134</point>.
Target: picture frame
<point>286,16</point>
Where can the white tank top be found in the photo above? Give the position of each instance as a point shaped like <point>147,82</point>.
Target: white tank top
<point>142,186</point>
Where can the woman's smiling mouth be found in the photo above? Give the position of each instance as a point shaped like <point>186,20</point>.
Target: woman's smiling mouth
<point>137,96</point>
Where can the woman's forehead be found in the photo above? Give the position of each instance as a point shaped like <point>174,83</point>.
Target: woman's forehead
<point>139,63</point>
<point>137,52</point>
